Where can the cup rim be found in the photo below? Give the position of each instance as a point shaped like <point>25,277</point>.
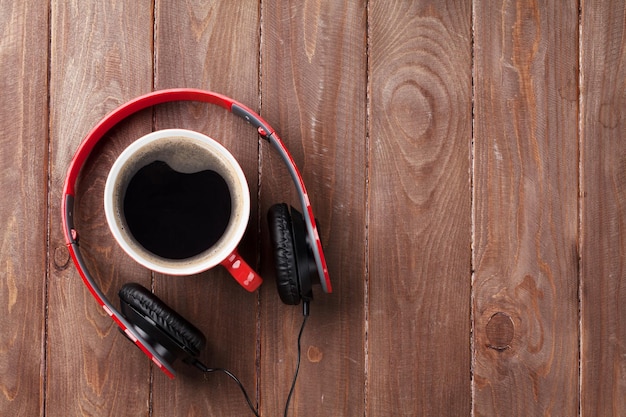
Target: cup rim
<point>205,260</point>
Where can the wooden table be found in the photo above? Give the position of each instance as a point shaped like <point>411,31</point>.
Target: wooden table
<point>466,161</point>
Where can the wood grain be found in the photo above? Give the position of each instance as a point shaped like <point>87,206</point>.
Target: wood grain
<point>603,245</point>
<point>419,218</point>
<point>313,67</point>
<point>100,58</point>
<point>224,39</point>
<point>23,184</point>
<point>465,160</point>
<point>525,209</point>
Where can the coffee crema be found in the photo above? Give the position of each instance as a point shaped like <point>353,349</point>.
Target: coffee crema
<point>176,215</point>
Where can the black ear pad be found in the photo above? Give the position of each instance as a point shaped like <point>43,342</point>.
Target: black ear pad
<point>162,324</point>
<point>280,229</point>
<point>305,261</point>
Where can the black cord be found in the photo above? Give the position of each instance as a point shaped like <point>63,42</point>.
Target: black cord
<point>295,376</point>
<point>207,370</point>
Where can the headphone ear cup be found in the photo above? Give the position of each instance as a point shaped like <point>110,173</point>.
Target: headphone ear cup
<point>282,239</point>
<point>164,328</point>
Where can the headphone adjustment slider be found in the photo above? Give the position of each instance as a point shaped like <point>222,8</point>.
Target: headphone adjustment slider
<point>74,235</point>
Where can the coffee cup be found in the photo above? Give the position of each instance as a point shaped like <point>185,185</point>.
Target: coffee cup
<point>178,203</point>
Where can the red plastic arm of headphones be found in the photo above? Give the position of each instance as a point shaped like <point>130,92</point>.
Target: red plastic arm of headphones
<point>242,272</point>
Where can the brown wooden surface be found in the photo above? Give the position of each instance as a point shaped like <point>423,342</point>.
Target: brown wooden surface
<point>419,214</point>
<point>23,212</point>
<point>603,244</point>
<point>525,209</point>
<point>465,160</point>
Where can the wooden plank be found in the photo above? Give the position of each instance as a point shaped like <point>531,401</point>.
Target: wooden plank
<point>100,57</point>
<point>23,155</point>
<point>603,123</point>
<point>419,221</point>
<point>525,209</point>
<point>214,46</point>
<point>313,67</point>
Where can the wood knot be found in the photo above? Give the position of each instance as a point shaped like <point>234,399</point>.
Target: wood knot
<point>500,331</point>
<point>314,354</point>
<point>61,257</point>
<point>608,116</point>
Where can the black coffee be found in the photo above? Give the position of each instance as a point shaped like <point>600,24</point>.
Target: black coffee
<point>176,215</point>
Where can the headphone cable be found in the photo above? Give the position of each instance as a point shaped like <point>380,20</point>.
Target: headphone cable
<point>232,376</point>
<point>202,367</point>
<point>305,311</point>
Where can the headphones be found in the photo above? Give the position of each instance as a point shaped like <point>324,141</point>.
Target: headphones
<point>159,331</point>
